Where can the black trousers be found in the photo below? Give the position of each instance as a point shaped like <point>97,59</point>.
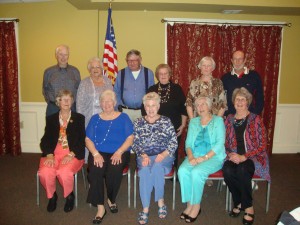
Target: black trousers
<point>112,174</point>
<point>238,178</point>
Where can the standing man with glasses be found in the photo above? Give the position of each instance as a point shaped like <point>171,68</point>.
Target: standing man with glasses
<point>58,77</point>
<point>241,76</point>
<point>132,84</point>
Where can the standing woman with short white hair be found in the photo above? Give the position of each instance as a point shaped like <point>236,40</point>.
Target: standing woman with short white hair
<point>155,143</point>
<point>206,85</point>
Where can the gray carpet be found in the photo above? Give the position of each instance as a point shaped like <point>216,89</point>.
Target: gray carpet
<point>18,198</point>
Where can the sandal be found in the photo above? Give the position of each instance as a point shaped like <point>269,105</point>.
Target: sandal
<point>248,222</point>
<point>143,218</point>
<point>162,212</point>
<point>234,214</point>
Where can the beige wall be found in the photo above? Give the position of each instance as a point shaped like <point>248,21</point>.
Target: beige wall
<point>43,26</point>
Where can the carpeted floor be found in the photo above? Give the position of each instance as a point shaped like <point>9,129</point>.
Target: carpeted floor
<point>18,198</point>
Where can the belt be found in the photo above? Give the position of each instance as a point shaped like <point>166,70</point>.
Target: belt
<point>125,107</point>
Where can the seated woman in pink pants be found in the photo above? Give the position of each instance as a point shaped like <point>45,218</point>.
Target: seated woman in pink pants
<point>63,147</point>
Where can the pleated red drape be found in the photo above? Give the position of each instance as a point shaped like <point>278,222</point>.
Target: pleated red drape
<point>188,43</point>
<point>9,96</point>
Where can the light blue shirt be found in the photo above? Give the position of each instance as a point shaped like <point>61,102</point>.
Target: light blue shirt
<point>134,89</point>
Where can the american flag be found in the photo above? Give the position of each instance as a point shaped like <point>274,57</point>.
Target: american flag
<point>110,58</point>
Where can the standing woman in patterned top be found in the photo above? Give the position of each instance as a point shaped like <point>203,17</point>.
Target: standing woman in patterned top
<point>89,91</point>
<point>246,145</point>
<point>172,103</point>
<point>154,143</point>
<point>207,86</point>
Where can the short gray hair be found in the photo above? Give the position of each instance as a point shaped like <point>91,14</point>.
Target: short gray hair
<point>208,101</point>
<point>134,52</point>
<point>242,92</point>
<point>151,96</point>
<point>109,93</point>
<point>60,47</point>
<point>94,59</point>
<point>205,59</point>
<point>61,93</point>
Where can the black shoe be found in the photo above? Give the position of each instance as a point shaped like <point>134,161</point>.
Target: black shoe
<point>52,203</point>
<point>248,222</point>
<point>235,214</point>
<point>183,216</point>
<point>98,219</point>
<point>113,208</point>
<point>189,219</point>
<point>69,202</point>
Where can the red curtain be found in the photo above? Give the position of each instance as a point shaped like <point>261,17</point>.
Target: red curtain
<point>188,43</point>
<point>9,96</point>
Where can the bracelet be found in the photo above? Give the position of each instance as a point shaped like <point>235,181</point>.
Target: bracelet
<point>70,154</point>
<point>97,153</point>
<point>49,155</point>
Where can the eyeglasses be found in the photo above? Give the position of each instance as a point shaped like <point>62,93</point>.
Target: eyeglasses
<point>132,61</point>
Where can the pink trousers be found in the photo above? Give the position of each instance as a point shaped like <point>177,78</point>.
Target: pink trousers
<point>63,172</point>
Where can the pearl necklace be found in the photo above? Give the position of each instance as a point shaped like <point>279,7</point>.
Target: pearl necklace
<point>107,132</point>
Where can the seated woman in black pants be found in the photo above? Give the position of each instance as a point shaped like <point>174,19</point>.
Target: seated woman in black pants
<point>109,135</point>
<point>246,144</point>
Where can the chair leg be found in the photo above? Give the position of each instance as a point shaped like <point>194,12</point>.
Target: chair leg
<point>83,177</point>
<point>134,189</point>
<point>174,189</point>
<point>37,189</point>
<point>75,190</point>
<point>129,186</point>
<point>268,196</point>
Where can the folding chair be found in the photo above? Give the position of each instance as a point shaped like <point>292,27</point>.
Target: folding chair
<point>75,187</point>
<point>171,175</point>
<point>256,179</point>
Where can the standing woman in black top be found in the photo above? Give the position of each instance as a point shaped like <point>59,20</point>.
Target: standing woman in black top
<point>172,102</point>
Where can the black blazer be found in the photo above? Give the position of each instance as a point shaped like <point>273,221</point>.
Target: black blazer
<point>75,135</point>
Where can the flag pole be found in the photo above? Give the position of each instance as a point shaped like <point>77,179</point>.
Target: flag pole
<point>110,1</point>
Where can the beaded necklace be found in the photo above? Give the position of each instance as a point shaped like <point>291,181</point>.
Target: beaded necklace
<point>105,136</point>
<point>166,90</point>
<point>239,122</point>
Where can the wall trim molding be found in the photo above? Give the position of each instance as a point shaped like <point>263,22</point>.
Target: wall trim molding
<point>286,135</point>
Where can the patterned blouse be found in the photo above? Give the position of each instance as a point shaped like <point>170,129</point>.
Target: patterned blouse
<point>255,138</point>
<point>213,89</point>
<point>154,138</point>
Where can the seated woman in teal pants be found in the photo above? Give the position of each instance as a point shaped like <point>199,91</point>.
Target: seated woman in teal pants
<point>205,155</point>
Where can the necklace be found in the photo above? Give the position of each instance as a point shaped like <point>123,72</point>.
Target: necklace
<point>107,132</point>
<point>164,93</point>
<point>239,122</point>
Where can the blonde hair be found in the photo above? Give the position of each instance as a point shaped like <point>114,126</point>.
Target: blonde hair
<point>205,59</point>
<point>151,96</point>
<point>109,93</point>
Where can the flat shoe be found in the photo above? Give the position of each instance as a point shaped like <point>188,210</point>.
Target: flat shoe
<point>190,219</point>
<point>98,219</point>
<point>113,208</point>
<point>183,216</point>
<point>248,222</point>
<point>235,214</point>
